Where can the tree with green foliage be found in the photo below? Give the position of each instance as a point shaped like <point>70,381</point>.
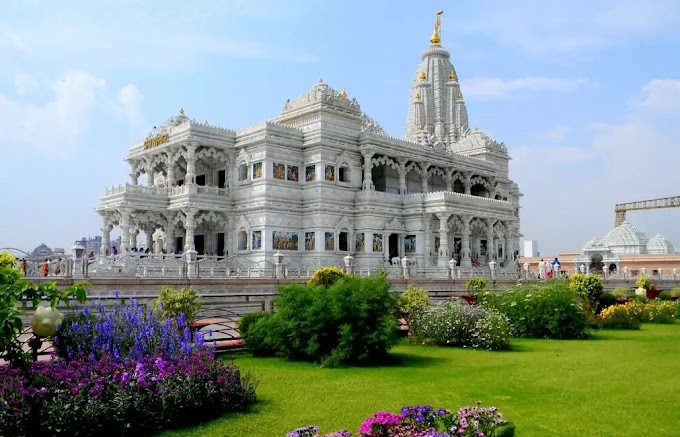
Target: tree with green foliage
<point>589,287</point>
<point>326,276</point>
<point>172,303</point>
<point>13,290</point>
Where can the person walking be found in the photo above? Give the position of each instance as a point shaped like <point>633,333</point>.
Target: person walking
<point>45,267</point>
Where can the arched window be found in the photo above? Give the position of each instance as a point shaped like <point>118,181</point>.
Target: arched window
<point>242,240</point>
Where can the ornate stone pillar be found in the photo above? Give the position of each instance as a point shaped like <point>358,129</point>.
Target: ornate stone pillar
<point>490,253</point>
<point>492,184</point>
<point>449,179</point>
<point>106,236</point>
<point>468,182</point>
<point>465,261</point>
<point>149,171</point>
<point>190,177</point>
<point>427,246</point>
<point>402,175</point>
<point>149,230</point>
<point>171,170</point>
<point>443,259</point>
<point>386,246</point>
<point>189,228</point>
<point>124,230</point>
<point>423,175</point>
<point>368,167</point>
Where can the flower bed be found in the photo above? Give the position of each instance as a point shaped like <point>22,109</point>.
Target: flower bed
<point>425,421</point>
<point>110,397</point>
<point>631,314</point>
<point>120,371</point>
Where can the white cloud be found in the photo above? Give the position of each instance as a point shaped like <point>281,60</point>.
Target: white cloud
<point>25,83</point>
<point>662,95</point>
<point>496,87</point>
<point>54,126</point>
<point>128,104</point>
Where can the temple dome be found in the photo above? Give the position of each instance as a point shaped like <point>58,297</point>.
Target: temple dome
<point>626,239</point>
<point>322,95</point>
<point>660,246</point>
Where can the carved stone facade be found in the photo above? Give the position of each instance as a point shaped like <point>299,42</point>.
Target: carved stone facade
<point>323,180</point>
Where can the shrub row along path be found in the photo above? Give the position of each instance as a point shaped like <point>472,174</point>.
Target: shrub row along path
<point>619,383</point>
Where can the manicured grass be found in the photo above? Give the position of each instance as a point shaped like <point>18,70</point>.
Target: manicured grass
<point>620,383</point>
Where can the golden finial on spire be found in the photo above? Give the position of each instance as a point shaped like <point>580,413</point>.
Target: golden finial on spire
<point>436,36</point>
<point>343,93</point>
<point>460,95</point>
<point>421,127</point>
<point>453,75</point>
<point>417,95</point>
<point>321,80</point>
<point>181,111</point>
<point>422,75</point>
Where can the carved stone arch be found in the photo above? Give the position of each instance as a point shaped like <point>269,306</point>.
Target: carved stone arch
<point>395,225</point>
<point>345,159</point>
<point>500,230</point>
<point>243,157</point>
<point>436,171</point>
<point>212,152</point>
<point>161,158</point>
<point>180,217</point>
<point>180,153</point>
<point>480,180</point>
<point>457,176</point>
<point>344,224</point>
<point>242,224</point>
<point>456,225</point>
<point>413,166</point>
<point>478,226</point>
<point>139,167</point>
<point>386,161</point>
<point>213,217</point>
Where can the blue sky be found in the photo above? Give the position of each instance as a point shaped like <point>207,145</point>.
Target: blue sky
<point>585,94</point>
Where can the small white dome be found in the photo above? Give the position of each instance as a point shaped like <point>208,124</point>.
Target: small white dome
<point>626,239</point>
<point>659,245</point>
<point>594,244</point>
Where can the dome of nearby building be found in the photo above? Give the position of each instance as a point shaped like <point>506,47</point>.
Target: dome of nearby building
<point>659,246</point>
<point>594,245</point>
<point>626,239</point>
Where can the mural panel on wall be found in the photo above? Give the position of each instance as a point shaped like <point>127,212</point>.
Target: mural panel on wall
<point>310,240</point>
<point>284,240</point>
<point>330,173</point>
<point>257,170</point>
<point>279,171</point>
<point>293,173</point>
<point>377,243</point>
<point>330,241</point>
<point>310,173</point>
<point>257,240</point>
<point>359,243</point>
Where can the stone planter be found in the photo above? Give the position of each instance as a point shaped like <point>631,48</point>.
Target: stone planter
<point>653,293</point>
<point>469,299</point>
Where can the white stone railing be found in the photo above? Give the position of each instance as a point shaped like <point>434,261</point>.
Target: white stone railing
<point>165,191</point>
<point>411,197</point>
<point>139,189</point>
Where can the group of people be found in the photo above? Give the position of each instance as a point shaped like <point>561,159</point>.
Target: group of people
<point>547,270</point>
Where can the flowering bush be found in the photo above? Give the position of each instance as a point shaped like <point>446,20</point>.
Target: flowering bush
<point>413,300</point>
<point>589,287</point>
<point>619,317</point>
<point>326,276</point>
<point>425,421</point>
<point>118,397</point>
<point>644,282</point>
<point>549,310</point>
<point>123,331</point>
<point>458,324</point>
<point>662,312</point>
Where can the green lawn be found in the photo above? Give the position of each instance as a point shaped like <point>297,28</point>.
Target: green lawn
<point>617,384</point>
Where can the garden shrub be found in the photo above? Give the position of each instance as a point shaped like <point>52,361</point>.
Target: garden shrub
<point>621,292</point>
<point>659,312</point>
<point>640,298</point>
<point>123,331</point>
<point>248,320</point>
<point>664,295</point>
<point>644,282</point>
<point>549,310</point>
<point>476,285</point>
<point>172,303</point>
<point>589,287</point>
<point>675,292</point>
<point>425,421</point>
<point>458,324</point>
<point>606,300</point>
<point>619,317</point>
<point>413,300</point>
<point>350,322</point>
<point>326,276</point>
<point>128,397</point>
<point>677,309</point>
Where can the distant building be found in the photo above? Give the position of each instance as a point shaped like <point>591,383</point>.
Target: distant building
<point>530,248</point>
<point>95,244</point>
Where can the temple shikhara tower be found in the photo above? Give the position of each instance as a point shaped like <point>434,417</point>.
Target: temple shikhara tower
<point>323,180</point>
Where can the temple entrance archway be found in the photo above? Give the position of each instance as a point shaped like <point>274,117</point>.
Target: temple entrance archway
<point>394,246</point>
<point>596,264</point>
